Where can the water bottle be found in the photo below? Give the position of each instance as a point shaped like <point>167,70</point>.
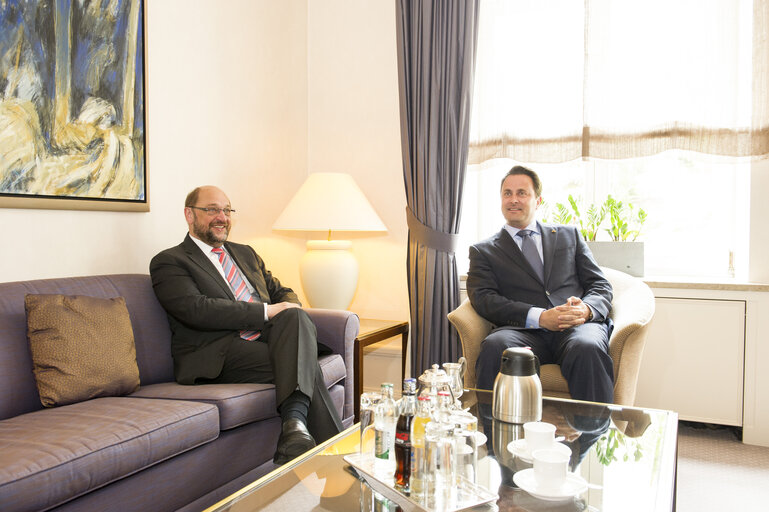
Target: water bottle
<point>444,406</point>
<point>384,426</point>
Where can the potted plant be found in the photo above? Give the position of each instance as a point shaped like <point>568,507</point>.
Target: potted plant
<point>620,220</point>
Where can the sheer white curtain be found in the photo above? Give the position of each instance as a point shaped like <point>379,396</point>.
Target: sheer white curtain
<point>564,79</point>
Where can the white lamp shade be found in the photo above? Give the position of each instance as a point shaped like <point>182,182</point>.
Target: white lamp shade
<point>329,201</point>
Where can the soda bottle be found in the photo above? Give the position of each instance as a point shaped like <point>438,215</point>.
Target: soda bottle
<point>384,432</point>
<point>418,455</point>
<point>403,436</point>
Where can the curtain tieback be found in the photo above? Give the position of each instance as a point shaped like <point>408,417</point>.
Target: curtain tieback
<point>432,238</point>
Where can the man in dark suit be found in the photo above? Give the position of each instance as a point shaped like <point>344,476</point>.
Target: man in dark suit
<point>232,321</point>
<point>541,288</point>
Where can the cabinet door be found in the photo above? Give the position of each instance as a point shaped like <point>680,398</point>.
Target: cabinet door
<point>693,360</point>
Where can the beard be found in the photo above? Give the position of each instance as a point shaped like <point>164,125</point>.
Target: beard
<point>206,233</point>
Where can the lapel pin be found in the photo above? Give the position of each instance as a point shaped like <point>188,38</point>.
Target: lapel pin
<point>552,230</point>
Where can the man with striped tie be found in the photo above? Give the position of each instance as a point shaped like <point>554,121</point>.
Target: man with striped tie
<point>232,321</point>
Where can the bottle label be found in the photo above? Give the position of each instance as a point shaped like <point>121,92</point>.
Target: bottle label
<point>402,437</point>
<point>381,446</point>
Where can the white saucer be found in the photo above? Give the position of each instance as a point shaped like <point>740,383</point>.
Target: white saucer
<point>573,486</point>
<point>520,449</point>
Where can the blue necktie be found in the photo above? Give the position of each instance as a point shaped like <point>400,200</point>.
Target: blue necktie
<point>529,250</point>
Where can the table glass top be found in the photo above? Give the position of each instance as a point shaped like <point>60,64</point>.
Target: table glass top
<point>627,456</point>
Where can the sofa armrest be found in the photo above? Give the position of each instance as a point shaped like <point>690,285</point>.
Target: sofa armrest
<point>338,329</point>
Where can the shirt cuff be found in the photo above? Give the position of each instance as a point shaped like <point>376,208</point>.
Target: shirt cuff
<point>532,317</point>
<point>592,312</point>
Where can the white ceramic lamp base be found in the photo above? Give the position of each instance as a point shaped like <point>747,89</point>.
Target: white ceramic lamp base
<point>329,274</point>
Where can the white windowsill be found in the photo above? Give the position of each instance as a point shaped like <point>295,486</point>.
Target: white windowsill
<point>688,282</point>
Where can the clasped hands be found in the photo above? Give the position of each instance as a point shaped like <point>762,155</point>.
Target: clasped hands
<point>573,313</point>
<point>274,309</point>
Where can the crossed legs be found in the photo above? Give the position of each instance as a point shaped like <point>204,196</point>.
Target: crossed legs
<point>287,355</point>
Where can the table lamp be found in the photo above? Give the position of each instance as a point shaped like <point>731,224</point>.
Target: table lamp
<point>329,201</point>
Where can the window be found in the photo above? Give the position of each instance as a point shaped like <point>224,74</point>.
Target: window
<point>657,103</point>
<point>697,206</point>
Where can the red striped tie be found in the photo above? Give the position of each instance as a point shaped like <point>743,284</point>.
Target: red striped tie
<point>238,284</point>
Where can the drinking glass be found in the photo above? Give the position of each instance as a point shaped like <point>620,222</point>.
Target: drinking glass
<point>368,403</point>
<point>456,371</point>
<point>440,451</point>
<point>465,449</point>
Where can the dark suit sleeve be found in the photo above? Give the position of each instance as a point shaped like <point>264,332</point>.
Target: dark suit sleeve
<point>597,291</point>
<point>195,298</point>
<point>485,296</point>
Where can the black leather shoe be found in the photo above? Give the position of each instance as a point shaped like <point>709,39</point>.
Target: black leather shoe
<point>294,440</point>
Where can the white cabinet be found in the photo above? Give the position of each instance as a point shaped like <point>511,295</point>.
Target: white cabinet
<point>693,360</point>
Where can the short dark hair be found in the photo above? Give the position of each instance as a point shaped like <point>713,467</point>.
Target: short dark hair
<point>521,170</point>
<point>192,197</point>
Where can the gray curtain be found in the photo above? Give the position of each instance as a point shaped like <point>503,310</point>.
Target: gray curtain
<point>436,62</point>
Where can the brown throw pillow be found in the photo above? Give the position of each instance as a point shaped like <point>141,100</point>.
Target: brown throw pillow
<point>82,347</point>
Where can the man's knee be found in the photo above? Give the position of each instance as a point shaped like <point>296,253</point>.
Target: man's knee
<point>490,356</point>
<point>296,316</point>
<point>588,348</point>
<point>589,340</point>
<point>502,339</point>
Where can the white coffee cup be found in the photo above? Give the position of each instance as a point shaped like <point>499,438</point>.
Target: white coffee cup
<point>550,468</point>
<point>538,435</point>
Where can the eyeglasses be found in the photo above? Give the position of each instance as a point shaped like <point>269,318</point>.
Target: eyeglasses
<point>211,212</point>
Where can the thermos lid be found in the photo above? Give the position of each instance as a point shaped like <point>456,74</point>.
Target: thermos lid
<point>518,362</point>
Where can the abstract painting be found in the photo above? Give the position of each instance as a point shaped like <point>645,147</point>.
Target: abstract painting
<point>72,125</point>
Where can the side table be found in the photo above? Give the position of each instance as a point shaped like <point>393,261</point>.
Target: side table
<point>374,331</point>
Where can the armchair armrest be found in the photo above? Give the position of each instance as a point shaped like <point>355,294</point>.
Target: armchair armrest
<point>472,329</point>
<point>338,329</point>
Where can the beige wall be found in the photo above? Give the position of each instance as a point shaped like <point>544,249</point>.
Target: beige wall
<point>231,91</point>
<point>353,118</point>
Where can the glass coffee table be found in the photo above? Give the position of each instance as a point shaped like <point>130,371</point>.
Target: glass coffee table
<point>626,455</point>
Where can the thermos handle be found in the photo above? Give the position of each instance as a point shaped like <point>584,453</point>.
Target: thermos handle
<point>536,361</point>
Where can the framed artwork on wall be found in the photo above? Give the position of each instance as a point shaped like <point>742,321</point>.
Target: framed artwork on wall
<point>72,109</point>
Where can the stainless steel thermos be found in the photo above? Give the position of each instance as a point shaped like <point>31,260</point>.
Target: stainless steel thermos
<point>517,389</point>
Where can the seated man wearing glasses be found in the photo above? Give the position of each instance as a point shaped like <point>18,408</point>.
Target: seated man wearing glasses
<point>232,321</point>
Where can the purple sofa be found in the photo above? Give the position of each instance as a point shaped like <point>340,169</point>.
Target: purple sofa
<point>166,446</point>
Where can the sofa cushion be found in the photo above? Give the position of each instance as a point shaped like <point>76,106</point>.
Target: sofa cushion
<point>50,456</point>
<point>238,404</point>
<point>82,347</point>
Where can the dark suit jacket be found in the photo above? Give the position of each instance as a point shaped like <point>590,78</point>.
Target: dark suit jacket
<point>204,315</point>
<point>502,286</point>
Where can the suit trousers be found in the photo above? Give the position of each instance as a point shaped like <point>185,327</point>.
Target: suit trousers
<point>286,355</point>
<point>581,351</point>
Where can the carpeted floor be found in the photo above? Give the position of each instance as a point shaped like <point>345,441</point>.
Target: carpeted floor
<point>717,472</point>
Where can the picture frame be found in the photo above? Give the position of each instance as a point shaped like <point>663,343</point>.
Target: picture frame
<point>72,105</point>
